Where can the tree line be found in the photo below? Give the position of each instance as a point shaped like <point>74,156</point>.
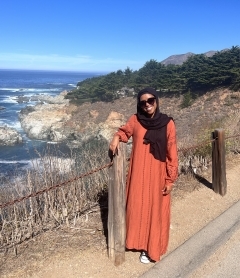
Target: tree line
<point>198,74</point>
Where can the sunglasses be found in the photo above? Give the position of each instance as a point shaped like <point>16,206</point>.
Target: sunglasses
<point>150,101</point>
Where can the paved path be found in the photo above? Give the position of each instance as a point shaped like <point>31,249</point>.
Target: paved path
<point>213,252</point>
<point>223,263</point>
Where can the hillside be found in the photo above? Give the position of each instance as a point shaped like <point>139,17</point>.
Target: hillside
<point>214,109</point>
<point>197,73</point>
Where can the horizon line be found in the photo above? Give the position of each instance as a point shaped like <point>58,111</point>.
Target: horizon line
<point>56,70</point>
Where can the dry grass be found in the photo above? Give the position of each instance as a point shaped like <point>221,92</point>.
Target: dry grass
<point>61,206</point>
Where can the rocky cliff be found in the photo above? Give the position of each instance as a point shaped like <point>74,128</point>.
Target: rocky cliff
<point>64,121</point>
<point>45,121</point>
<point>54,119</point>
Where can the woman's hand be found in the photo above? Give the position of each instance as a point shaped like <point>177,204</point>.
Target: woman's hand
<point>166,190</point>
<point>113,147</point>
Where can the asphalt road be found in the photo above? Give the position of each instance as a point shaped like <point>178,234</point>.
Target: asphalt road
<point>213,252</point>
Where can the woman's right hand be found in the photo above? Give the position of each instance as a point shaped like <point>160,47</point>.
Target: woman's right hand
<point>113,147</point>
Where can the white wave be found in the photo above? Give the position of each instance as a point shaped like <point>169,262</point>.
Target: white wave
<point>31,104</point>
<point>14,161</point>
<point>30,89</point>
<point>9,100</point>
<point>63,165</point>
<point>10,89</point>
<point>16,125</point>
<point>72,85</point>
<point>32,93</point>
<point>43,90</point>
<point>40,140</point>
<point>56,83</point>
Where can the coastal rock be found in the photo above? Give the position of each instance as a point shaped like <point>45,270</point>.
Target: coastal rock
<point>2,108</point>
<point>74,124</point>
<point>42,99</point>
<point>45,121</point>
<point>23,99</point>
<point>110,126</point>
<point>58,120</point>
<point>98,120</point>
<point>103,130</point>
<point>9,136</point>
<point>59,99</point>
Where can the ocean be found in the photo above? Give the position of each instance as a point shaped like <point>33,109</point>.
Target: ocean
<point>27,83</point>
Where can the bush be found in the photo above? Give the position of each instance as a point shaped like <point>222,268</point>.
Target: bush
<point>187,100</point>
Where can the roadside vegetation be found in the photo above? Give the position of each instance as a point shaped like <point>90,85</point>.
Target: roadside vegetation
<point>64,205</point>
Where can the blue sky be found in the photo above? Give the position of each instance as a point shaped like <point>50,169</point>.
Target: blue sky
<point>95,35</point>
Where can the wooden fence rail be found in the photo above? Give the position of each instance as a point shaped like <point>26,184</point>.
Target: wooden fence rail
<point>116,207</point>
<point>219,180</point>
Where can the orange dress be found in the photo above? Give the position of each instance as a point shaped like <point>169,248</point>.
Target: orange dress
<point>147,210</point>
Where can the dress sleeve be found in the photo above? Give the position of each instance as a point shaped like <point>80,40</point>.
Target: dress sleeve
<point>172,155</point>
<point>126,131</point>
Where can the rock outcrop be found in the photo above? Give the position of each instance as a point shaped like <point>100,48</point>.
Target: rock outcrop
<point>51,99</point>
<point>109,127</point>
<point>9,136</point>
<point>41,98</point>
<point>61,121</point>
<point>45,121</point>
<point>91,129</point>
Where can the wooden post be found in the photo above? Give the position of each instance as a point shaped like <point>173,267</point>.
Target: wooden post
<point>116,207</point>
<point>219,180</point>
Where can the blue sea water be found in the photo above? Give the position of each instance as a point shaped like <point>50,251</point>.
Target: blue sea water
<point>15,83</point>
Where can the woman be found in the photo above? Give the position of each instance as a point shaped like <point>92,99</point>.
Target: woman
<point>152,171</point>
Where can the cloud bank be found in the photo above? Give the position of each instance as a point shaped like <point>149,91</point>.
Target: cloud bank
<point>64,62</point>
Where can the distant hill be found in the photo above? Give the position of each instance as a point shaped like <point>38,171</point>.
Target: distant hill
<point>181,58</point>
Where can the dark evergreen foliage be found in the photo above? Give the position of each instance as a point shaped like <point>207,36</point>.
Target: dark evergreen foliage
<point>198,74</point>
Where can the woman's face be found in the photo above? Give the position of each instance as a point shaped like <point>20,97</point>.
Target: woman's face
<point>148,104</point>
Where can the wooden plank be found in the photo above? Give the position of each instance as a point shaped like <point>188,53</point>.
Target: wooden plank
<point>116,207</point>
<point>219,180</point>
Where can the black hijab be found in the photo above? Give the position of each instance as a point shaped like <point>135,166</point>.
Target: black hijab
<point>156,126</point>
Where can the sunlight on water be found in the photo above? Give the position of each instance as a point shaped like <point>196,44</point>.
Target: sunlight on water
<point>17,89</point>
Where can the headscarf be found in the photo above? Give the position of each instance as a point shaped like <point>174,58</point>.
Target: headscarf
<point>156,126</point>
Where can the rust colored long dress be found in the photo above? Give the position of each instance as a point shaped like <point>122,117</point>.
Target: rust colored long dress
<point>147,210</point>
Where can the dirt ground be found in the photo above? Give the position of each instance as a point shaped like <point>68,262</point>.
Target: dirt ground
<point>81,251</point>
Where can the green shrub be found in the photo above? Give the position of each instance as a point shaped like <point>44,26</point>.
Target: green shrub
<point>187,100</point>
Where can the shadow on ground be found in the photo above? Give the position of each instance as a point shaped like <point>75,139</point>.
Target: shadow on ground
<point>203,181</point>
<point>103,204</point>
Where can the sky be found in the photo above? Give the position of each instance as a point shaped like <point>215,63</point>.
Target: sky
<point>108,35</point>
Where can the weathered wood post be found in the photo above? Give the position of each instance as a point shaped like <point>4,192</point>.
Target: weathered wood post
<point>219,180</point>
<point>116,207</point>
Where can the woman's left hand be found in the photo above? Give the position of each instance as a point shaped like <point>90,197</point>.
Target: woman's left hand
<point>166,190</point>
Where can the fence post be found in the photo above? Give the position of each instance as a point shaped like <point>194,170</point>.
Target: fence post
<point>116,207</point>
<point>219,180</point>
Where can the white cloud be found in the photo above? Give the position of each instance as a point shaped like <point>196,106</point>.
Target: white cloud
<point>61,62</point>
